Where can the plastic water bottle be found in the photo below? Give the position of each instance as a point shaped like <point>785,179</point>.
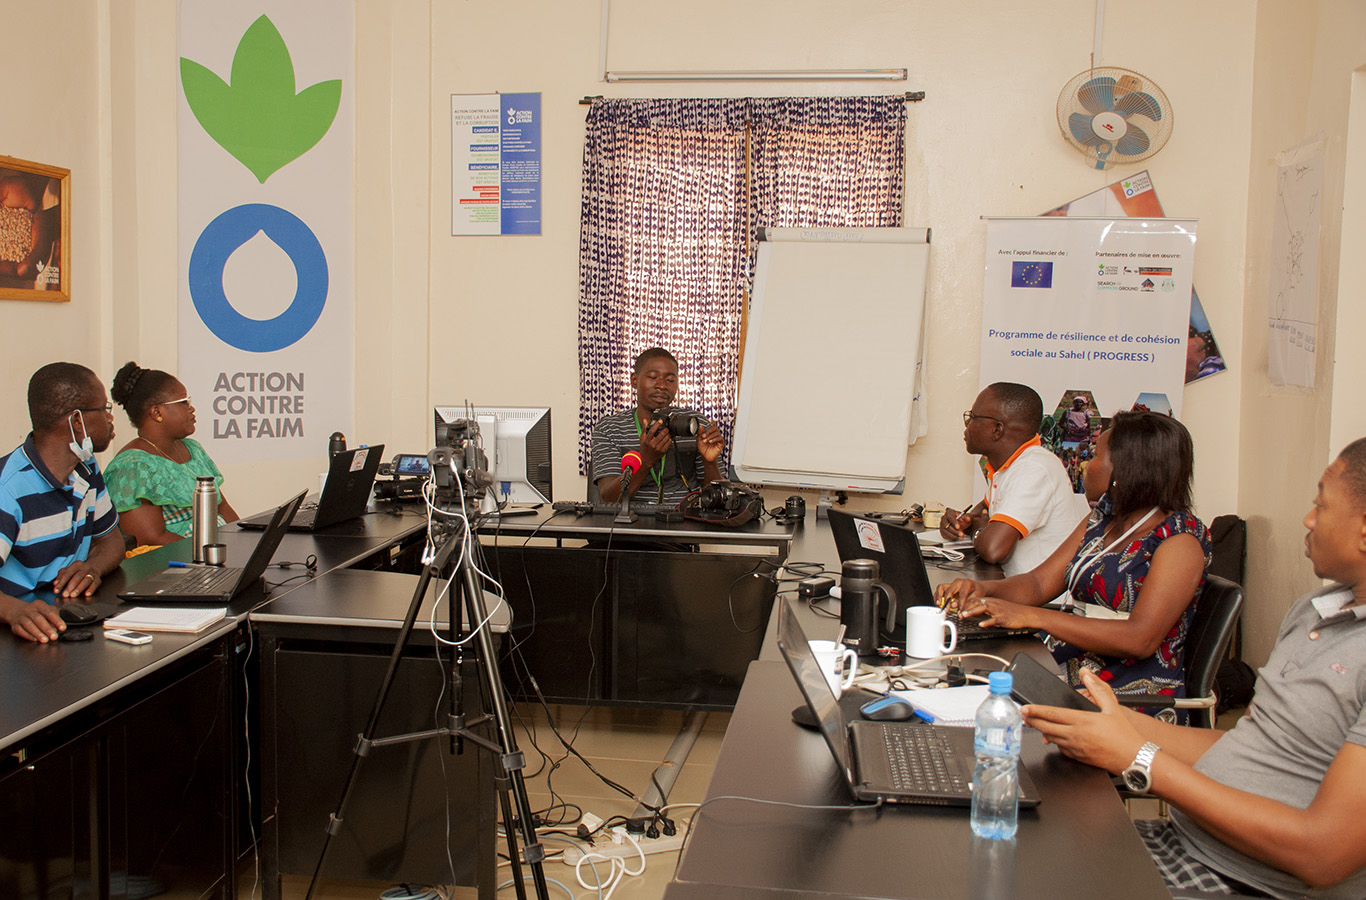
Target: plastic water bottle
<point>995,783</point>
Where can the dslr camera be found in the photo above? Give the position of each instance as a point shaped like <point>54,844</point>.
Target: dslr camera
<point>683,426</point>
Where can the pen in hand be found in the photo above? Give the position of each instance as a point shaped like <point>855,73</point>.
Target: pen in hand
<point>964,518</point>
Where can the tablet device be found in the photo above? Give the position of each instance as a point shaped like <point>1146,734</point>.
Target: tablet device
<point>1035,684</point>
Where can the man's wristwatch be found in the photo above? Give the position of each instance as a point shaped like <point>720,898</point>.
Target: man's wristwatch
<point>1139,776</point>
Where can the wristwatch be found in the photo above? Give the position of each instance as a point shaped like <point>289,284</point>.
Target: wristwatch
<point>1139,776</point>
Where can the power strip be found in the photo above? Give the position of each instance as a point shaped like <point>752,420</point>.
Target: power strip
<point>626,850</point>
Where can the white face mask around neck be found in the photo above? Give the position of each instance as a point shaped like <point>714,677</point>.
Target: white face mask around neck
<point>85,450</point>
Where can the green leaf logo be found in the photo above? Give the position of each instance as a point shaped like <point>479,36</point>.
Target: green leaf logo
<point>258,118</point>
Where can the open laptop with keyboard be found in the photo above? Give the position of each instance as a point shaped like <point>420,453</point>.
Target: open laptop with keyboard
<point>895,762</point>
<point>345,495</point>
<point>215,584</point>
<point>897,552</point>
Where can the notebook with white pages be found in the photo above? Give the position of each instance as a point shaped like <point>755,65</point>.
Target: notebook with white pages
<point>167,618</point>
<point>948,706</point>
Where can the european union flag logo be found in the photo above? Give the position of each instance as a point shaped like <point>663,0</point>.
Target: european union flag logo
<point>1031,274</point>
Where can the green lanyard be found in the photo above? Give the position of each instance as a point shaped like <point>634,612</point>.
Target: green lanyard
<point>658,470</point>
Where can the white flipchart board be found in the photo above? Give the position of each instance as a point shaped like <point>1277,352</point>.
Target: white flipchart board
<point>832,358</point>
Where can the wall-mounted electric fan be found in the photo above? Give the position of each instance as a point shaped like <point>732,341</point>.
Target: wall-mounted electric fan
<point>1114,116</point>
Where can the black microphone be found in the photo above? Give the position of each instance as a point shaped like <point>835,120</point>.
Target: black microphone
<point>631,463</point>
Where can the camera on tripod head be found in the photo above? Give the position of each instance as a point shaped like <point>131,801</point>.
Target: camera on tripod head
<point>683,425</point>
<point>458,462</point>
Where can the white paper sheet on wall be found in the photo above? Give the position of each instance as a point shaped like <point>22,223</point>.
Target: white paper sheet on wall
<point>1292,303</point>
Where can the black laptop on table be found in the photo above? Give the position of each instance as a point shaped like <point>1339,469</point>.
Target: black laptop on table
<point>215,584</point>
<point>895,762</point>
<point>897,552</point>
<point>346,493</point>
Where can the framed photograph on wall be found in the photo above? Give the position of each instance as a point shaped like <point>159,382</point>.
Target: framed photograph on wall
<point>35,228</point>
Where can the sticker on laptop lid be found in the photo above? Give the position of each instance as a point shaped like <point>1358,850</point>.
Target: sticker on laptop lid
<point>869,536</point>
<point>358,460</point>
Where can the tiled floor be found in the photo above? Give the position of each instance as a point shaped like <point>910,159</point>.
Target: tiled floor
<point>624,745</point>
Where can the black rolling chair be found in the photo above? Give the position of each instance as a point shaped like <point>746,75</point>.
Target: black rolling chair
<point>1216,620</point>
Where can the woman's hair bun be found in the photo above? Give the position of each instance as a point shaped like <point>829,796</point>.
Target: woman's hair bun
<point>125,380</point>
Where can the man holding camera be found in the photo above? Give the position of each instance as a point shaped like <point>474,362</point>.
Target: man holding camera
<point>667,475</point>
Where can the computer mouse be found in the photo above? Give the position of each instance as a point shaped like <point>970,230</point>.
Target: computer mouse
<point>887,709</point>
<point>78,614</point>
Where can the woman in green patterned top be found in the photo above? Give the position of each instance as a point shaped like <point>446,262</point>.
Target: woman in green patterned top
<point>152,479</point>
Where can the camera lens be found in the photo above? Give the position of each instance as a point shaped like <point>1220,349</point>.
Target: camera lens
<point>683,424</point>
<point>795,508</point>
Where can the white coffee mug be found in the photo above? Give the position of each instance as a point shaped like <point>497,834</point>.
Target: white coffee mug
<point>925,632</point>
<point>838,663</point>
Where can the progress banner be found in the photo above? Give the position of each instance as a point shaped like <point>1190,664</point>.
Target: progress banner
<point>1091,313</point>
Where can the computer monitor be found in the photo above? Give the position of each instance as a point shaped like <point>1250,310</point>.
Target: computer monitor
<point>516,441</point>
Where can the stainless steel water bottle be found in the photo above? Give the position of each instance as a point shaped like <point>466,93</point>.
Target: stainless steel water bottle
<point>204,523</point>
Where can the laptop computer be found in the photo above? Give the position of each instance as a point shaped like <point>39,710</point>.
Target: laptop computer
<point>212,584</point>
<point>345,494</point>
<point>896,549</point>
<point>895,762</point>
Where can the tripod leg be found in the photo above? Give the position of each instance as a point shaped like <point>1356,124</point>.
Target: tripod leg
<point>510,759</point>
<point>518,879</point>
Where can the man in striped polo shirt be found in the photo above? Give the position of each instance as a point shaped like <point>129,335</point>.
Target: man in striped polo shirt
<point>666,476</point>
<point>58,529</point>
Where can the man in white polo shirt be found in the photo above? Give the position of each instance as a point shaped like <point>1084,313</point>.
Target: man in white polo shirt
<point>1029,505</point>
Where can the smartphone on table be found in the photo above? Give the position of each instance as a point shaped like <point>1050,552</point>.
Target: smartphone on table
<point>124,636</point>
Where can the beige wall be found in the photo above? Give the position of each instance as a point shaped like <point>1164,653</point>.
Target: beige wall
<point>51,72</point>
<point>1305,57</point>
<point>442,319</point>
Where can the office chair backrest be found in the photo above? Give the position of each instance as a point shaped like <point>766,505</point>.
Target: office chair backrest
<point>1216,618</point>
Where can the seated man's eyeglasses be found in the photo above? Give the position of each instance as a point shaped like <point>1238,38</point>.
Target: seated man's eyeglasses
<point>969,415</point>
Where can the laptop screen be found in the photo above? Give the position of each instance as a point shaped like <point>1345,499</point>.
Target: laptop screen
<point>897,553</point>
<point>819,697</point>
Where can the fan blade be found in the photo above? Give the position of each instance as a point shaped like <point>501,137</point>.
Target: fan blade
<point>1097,95</point>
<point>1079,124</point>
<point>1134,142</point>
<point>1139,103</point>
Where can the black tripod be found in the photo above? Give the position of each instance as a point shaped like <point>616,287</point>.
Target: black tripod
<point>510,761</point>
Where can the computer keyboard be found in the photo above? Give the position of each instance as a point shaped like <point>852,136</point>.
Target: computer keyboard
<point>922,759</point>
<point>204,581</point>
<point>584,508</point>
<point>973,629</point>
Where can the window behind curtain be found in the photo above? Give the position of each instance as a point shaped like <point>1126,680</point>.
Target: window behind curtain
<point>665,255</point>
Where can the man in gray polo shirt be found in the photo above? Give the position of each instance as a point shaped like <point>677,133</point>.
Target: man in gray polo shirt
<point>1278,804</point>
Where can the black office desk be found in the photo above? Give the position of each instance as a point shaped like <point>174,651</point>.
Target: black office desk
<point>1079,843</point>
<point>548,522</point>
<point>94,734</point>
<point>649,614</point>
<point>338,632</point>
<point>99,735</point>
